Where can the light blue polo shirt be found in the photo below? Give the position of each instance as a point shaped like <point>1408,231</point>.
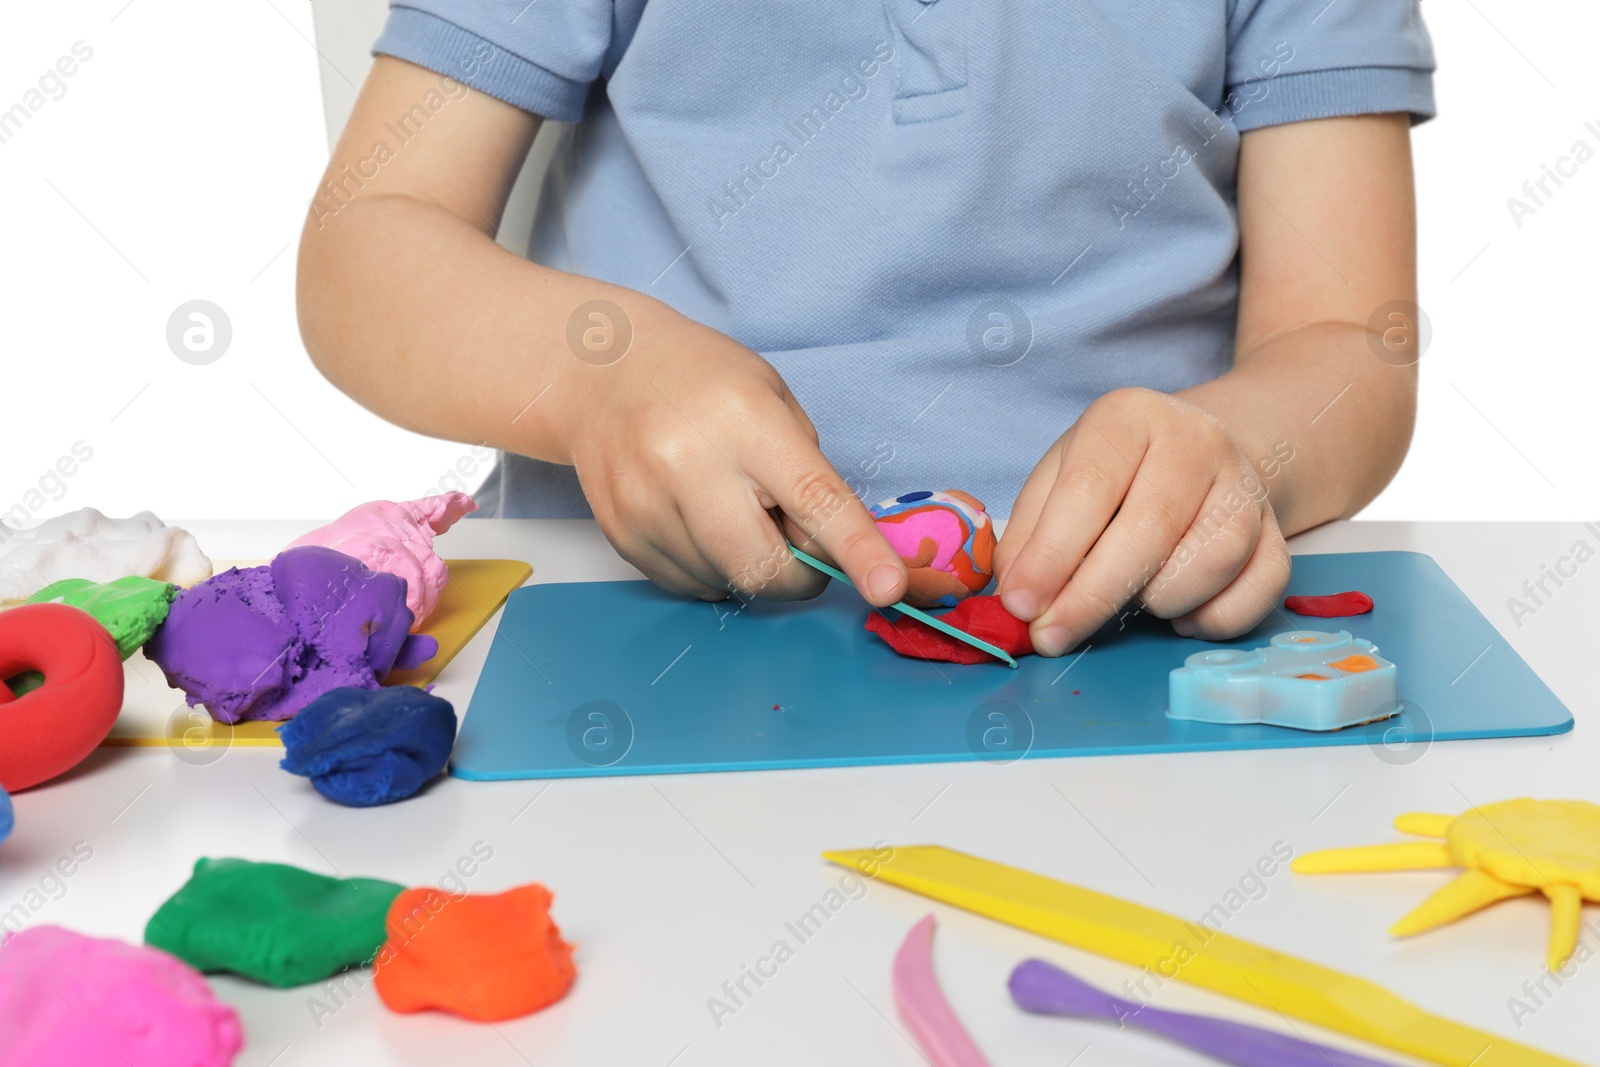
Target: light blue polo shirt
<point>950,226</point>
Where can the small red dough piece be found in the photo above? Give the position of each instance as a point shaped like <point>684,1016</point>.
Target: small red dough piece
<point>1333,606</point>
<point>981,616</point>
<point>49,730</point>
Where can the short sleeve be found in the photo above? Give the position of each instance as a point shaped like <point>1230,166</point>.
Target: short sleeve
<point>538,56</point>
<point>1289,61</point>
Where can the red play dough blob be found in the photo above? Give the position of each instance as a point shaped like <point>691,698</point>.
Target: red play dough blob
<point>981,616</point>
<point>485,958</point>
<point>49,730</point>
<point>1333,606</point>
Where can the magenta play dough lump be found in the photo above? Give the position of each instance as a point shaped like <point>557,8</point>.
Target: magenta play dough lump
<point>263,642</point>
<point>946,540</point>
<point>398,539</point>
<point>67,999</point>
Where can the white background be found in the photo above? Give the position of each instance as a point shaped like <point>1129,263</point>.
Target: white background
<point>178,164</point>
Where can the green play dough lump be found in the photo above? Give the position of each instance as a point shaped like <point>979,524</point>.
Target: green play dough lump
<point>271,922</point>
<point>129,608</point>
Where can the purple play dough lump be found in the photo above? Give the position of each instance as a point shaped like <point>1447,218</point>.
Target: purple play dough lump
<point>70,999</point>
<point>263,642</point>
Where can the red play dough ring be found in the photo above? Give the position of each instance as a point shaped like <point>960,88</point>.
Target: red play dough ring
<point>51,729</point>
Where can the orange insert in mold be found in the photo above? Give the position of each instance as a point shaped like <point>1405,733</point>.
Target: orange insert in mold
<point>1353,664</point>
<point>1314,677</point>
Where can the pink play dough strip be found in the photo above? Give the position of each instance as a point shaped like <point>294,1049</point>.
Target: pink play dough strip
<point>923,1007</point>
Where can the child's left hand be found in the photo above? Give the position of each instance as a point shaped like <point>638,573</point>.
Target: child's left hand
<point>1145,498</point>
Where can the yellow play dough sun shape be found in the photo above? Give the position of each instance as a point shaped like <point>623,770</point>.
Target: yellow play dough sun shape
<point>1509,849</point>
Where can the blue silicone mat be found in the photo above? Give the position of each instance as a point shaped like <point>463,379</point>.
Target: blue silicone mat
<point>616,678</point>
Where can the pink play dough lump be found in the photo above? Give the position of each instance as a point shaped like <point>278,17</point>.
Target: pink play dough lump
<point>398,539</point>
<point>70,999</point>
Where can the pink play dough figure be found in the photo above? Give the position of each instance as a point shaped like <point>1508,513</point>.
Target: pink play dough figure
<point>398,539</point>
<point>70,999</point>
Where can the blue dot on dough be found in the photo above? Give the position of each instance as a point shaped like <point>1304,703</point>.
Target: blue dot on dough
<point>362,747</point>
<point>7,821</point>
<point>912,498</point>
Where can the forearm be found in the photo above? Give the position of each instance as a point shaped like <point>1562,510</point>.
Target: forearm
<point>422,318</point>
<point>1323,420</point>
<point>1327,234</point>
<point>695,458</point>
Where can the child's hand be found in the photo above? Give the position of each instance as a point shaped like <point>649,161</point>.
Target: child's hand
<point>698,462</point>
<point>1146,497</point>
<point>694,456</point>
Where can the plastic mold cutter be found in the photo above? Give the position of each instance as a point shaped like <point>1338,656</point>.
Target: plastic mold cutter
<point>1305,679</point>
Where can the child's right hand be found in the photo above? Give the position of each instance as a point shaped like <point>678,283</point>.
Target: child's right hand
<point>698,462</point>
<point>694,456</point>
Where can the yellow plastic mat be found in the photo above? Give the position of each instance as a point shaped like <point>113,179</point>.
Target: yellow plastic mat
<point>155,714</point>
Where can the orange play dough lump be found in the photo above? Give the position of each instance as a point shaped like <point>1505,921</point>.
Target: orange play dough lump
<point>483,957</point>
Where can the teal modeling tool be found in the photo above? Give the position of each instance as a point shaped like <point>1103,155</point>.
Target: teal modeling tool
<point>906,609</point>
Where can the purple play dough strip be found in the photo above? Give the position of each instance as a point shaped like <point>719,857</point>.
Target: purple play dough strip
<point>1040,987</point>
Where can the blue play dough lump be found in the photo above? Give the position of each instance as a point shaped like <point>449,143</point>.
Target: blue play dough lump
<point>7,820</point>
<point>362,747</point>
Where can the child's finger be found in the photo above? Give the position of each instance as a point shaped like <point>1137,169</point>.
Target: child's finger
<point>666,572</point>
<point>1213,550</point>
<point>741,542</point>
<point>1250,596</point>
<point>1025,514</point>
<point>818,503</point>
<point>1098,465</point>
<point>1159,509</point>
<point>800,416</point>
<point>646,525</point>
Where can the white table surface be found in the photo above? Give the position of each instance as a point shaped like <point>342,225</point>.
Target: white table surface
<point>670,885</point>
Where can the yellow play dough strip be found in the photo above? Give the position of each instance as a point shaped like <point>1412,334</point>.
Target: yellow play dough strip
<point>1566,919</point>
<point>1401,856</point>
<point>1171,948</point>
<point>1424,824</point>
<point>1458,897</point>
